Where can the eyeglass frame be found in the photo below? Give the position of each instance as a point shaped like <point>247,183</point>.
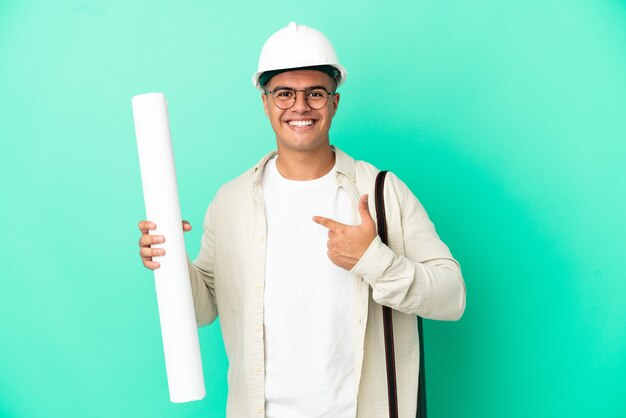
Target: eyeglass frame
<point>330,93</point>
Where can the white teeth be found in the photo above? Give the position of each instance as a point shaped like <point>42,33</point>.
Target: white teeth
<point>300,122</point>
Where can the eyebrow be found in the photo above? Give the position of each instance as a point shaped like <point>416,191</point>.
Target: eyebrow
<point>306,88</point>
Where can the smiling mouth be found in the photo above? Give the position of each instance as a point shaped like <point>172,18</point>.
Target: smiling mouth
<point>301,123</point>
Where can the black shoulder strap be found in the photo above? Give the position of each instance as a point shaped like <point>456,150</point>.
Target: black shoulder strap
<point>392,390</point>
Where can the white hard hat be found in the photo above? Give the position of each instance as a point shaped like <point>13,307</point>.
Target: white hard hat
<point>298,46</point>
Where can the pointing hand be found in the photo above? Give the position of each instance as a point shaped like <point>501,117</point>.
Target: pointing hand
<point>348,243</point>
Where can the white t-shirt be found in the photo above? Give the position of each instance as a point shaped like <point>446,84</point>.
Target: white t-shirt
<point>309,312</point>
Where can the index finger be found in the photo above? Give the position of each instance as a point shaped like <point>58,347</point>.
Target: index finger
<point>145,226</point>
<point>327,222</point>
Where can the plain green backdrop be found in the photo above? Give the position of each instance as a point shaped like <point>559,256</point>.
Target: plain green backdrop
<point>506,118</point>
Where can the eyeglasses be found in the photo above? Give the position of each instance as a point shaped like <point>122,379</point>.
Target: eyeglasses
<point>316,97</point>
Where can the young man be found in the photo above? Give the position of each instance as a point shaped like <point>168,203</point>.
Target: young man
<point>291,261</point>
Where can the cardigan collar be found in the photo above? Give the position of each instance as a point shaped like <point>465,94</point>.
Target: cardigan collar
<point>344,164</point>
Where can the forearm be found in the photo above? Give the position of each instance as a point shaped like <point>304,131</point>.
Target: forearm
<point>432,289</point>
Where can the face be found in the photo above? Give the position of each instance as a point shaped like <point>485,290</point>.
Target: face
<point>301,128</point>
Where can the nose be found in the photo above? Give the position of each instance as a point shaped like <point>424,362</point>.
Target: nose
<point>301,105</point>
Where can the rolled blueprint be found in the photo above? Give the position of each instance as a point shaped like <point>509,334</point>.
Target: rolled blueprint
<point>176,312</point>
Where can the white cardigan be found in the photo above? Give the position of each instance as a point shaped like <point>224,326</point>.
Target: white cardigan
<point>415,275</point>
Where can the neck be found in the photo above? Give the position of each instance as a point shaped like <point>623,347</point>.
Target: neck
<point>309,165</point>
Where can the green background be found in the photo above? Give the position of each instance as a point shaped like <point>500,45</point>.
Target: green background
<point>507,119</point>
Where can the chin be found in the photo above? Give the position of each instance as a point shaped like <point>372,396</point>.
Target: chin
<point>303,144</point>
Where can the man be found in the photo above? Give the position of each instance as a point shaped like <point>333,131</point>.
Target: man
<point>291,261</point>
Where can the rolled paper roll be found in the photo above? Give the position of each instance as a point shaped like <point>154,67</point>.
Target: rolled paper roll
<point>176,312</point>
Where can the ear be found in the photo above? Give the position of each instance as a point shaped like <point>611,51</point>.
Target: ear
<point>336,98</point>
<point>264,98</point>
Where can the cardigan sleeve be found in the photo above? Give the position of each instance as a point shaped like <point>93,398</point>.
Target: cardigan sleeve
<point>421,278</point>
<point>201,274</point>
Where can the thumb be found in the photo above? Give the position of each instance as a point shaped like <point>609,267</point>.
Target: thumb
<point>364,211</point>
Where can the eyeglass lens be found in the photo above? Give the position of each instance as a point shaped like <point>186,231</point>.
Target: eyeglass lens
<point>285,98</point>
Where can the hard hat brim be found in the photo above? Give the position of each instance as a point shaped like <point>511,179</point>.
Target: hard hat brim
<point>333,72</point>
<point>337,71</point>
